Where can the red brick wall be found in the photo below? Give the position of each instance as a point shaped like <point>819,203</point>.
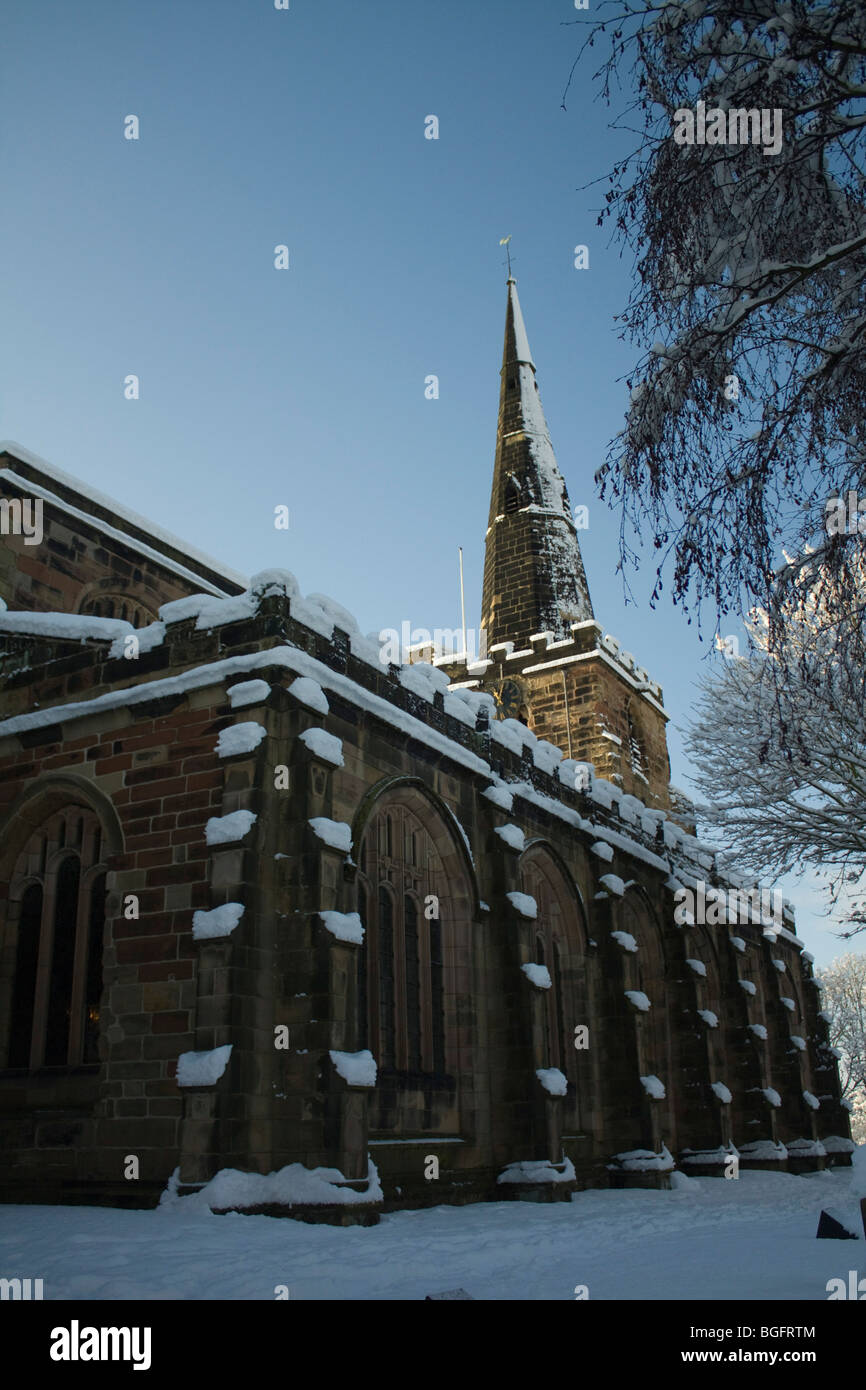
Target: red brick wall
<point>164,780</point>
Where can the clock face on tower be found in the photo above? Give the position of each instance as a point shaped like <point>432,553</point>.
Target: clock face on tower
<point>510,698</point>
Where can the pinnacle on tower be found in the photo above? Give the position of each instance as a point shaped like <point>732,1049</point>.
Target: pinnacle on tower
<point>534,580</point>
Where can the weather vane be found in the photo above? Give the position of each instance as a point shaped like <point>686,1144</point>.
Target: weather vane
<point>504,241</point>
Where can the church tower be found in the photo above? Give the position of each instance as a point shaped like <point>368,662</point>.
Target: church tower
<point>548,662</point>
<point>534,579</point>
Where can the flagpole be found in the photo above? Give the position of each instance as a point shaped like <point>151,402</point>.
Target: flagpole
<point>462,603</point>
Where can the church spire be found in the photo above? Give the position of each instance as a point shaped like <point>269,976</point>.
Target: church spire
<point>534,579</point>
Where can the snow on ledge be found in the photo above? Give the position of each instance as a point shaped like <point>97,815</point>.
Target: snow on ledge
<point>335,833</point>
<point>202,1068</point>
<point>612,884</point>
<point>68,627</point>
<point>759,1031</point>
<point>547,756</point>
<point>644,1161</point>
<point>698,967</point>
<point>500,797</point>
<point>553,1081</point>
<point>805,1148</point>
<point>253,692</point>
<point>513,837</point>
<point>291,1186</point>
<point>240,738</point>
<point>625,940</point>
<point>209,610</point>
<point>356,1068</point>
<point>224,830</point>
<point>764,1151</point>
<point>653,1087</point>
<point>324,746</point>
<point>748,986</point>
<point>715,1157</point>
<point>345,926</point>
<point>220,921</point>
<point>720,1090</point>
<point>638,999</point>
<point>603,850</point>
<point>838,1144</point>
<point>523,903</point>
<point>812,1101</point>
<point>308,692</point>
<point>510,733</point>
<point>539,1171</point>
<point>538,974</point>
<point>710,1019</point>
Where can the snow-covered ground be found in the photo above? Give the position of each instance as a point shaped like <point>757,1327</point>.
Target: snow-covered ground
<point>752,1239</point>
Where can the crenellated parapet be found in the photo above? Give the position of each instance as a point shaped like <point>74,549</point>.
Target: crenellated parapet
<point>588,641</point>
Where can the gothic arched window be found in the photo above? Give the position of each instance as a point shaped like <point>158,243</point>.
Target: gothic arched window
<point>96,603</point>
<point>636,749</point>
<point>650,975</point>
<point>512,495</point>
<point>560,946</point>
<point>55,927</point>
<point>404,901</point>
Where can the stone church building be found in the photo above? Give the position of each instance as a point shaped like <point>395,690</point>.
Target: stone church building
<point>332,935</point>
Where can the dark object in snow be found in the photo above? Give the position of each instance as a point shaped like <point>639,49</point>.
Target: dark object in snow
<point>834,1227</point>
<point>863,1214</point>
<point>449,1293</point>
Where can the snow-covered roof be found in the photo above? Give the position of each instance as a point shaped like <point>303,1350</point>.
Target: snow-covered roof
<point>124,514</point>
<point>64,627</point>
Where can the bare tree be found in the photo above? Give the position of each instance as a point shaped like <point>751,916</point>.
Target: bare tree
<point>781,765</point>
<point>746,414</point>
<point>843,999</point>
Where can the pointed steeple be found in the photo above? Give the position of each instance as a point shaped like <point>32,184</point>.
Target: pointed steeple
<point>534,580</point>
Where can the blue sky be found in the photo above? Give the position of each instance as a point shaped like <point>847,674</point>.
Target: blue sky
<point>305,387</point>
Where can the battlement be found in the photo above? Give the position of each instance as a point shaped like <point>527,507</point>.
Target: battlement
<point>546,652</point>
